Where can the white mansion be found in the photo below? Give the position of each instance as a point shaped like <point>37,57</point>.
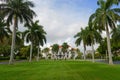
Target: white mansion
<point>71,53</point>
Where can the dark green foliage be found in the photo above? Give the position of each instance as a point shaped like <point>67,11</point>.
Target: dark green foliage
<point>19,8</point>
<point>116,34</point>
<point>35,33</point>
<point>103,46</point>
<point>55,48</point>
<point>92,35</point>
<point>4,30</point>
<point>81,36</point>
<point>116,58</point>
<point>115,40</point>
<point>65,46</point>
<point>5,50</point>
<point>46,50</point>
<point>115,46</point>
<point>98,56</point>
<point>105,15</point>
<point>89,56</point>
<point>24,52</point>
<point>4,58</point>
<point>79,54</point>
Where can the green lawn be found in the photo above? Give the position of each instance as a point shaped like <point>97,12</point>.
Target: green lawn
<point>59,70</point>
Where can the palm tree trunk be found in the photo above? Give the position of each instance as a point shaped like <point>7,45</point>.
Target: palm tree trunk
<point>31,47</point>
<point>13,41</point>
<point>84,52</point>
<point>38,54</point>
<point>93,56</point>
<point>109,45</point>
<point>106,55</point>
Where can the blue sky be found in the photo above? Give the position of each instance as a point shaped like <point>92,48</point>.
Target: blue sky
<point>75,4</point>
<point>62,19</point>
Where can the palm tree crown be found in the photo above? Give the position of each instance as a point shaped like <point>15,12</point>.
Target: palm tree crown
<point>55,48</point>
<point>35,33</point>
<point>92,36</point>
<point>19,9</point>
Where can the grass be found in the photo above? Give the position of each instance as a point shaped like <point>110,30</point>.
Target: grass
<point>59,70</point>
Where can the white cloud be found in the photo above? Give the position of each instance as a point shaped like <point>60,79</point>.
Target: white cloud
<point>63,22</point>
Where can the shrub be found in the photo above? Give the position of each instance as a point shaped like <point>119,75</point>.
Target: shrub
<point>116,58</point>
<point>4,58</point>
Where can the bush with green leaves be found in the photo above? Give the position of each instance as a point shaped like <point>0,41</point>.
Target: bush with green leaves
<point>116,58</point>
<point>4,52</point>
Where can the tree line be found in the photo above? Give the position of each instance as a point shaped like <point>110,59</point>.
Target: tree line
<point>13,12</point>
<point>105,18</point>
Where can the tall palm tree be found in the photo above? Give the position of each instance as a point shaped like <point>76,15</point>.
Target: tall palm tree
<point>65,48</point>
<point>40,37</point>
<point>81,37</point>
<point>36,35</point>
<point>17,10</point>
<point>93,36</point>
<point>103,18</point>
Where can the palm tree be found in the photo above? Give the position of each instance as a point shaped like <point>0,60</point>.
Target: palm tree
<point>40,37</point>
<point>65,46</point>
<point>55,48</point>
<point>103,18</point>
<point>17,10</point>
<point>93,36</point>
<point>81,37</point>
<point>36,35</point>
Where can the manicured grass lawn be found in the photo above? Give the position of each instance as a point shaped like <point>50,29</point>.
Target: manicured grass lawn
<point>59,70</point>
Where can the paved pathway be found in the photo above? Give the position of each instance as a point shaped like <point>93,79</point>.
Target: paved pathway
<point>97,60</point>
<point>7,62</point>
<point>106,61</point>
